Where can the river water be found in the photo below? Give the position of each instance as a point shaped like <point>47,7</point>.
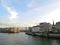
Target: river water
<point>23,39</point>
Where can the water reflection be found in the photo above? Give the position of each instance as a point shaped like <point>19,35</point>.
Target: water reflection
<point>48,41</point>
<point>23,39</point>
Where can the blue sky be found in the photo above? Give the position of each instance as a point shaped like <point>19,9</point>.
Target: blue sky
<point>29,12</point>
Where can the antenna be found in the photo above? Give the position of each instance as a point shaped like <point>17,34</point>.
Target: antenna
<point>53,22</point>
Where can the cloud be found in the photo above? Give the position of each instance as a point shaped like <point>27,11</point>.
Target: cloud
<point>13,15</point>
<point>51,12</point>
<point>37,12</point>
<point>54,15</point>
<point>47,12</point>
<point>26,24</point>
<point>14,18</point>
<point>31,3</point>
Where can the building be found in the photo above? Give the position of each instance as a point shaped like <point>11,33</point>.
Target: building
<point>30,29</point>
<point>10,30</point>
<point>14,30</point>
<point>57,27</point>
<point>35,29</point>
<point>44,27</point>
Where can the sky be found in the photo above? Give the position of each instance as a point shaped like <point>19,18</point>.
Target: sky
<point>29,12</point>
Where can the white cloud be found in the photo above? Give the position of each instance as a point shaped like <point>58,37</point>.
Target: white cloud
<point>13,16</point>
<point>47,13</point>
<point>25,24</point>
<point>30,4</point>
<point>54,15</point>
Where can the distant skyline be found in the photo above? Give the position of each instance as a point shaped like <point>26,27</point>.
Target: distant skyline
<point>29,12</point>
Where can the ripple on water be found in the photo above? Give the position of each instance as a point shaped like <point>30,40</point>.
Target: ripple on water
<point>23,39</point>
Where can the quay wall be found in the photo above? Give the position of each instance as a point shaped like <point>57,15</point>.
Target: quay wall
<point>49,35</point>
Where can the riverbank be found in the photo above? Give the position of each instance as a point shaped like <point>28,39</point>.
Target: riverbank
<point>44,34</point>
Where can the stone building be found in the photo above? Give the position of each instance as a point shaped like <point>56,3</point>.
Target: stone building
<point>57,27</point>
<point>35,29</point>
<point>44,27</point>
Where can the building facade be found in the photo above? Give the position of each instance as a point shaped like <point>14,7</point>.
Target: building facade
<point>44,27</point>
<point>10,30</point>
<point>57,27</point>
<point>35,29</point>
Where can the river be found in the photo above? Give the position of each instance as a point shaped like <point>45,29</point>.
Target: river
<point>23,39</point>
